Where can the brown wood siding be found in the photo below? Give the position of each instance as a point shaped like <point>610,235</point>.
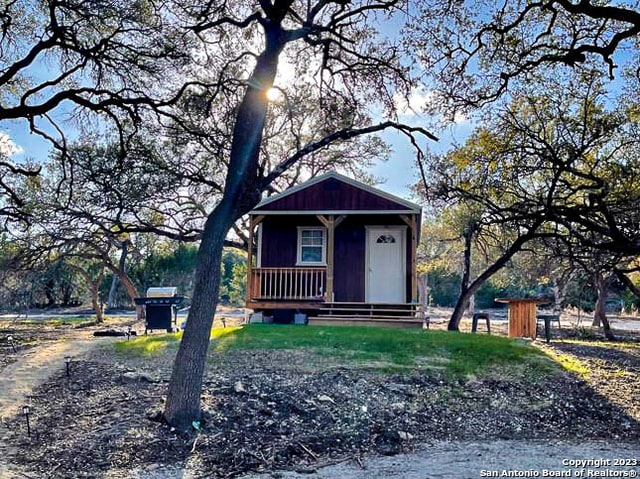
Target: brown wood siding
<point>278,243</point>
<point>332,194</point>
<point>280,239</point>
<point>349,274</point>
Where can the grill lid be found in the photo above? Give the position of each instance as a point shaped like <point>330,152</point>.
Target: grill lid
<point>173,300</point>
<point>162,292</point>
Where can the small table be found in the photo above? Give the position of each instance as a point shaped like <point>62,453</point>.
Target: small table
<point>522,316</point>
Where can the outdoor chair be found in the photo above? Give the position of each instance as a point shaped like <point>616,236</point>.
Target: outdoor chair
<point>547,318</point>
<point>478,316</point>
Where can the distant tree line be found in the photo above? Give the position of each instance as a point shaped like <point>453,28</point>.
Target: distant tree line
<point>58,283</point>
<point>175,267</point>
<point>581,293</point>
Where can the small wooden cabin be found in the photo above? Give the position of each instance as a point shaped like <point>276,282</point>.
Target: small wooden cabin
<point>337,251</point>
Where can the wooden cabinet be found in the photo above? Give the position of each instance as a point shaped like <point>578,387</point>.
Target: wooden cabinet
<point>522,316</point>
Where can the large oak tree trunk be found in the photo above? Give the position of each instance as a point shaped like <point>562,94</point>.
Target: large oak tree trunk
<point>183,399</point>
<point>241,194</point>
<point>461,307</point>
<point>95,295</point>
<point>97,307</point>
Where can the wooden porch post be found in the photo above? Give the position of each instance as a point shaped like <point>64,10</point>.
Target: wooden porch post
<point>254,221</point>
<point>330,222</point>
<point>412,222</point>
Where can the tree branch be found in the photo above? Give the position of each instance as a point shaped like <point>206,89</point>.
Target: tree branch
<point>343,135</point>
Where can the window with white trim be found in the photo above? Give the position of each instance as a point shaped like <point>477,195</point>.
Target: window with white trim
<point>311,246</point>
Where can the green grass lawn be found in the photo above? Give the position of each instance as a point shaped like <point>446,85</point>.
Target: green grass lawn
<point>457,354</point>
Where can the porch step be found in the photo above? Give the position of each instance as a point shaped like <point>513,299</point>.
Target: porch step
<point>388,322</point>
<point>385,310</point>
<point>368,312</point>
<point>371,305</point>
<point>366,316</point>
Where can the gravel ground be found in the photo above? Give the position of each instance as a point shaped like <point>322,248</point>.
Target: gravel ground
<point>472,459</point>
<point>281,411</point>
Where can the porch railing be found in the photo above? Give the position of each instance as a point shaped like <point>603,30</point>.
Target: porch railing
<point>287,283</point>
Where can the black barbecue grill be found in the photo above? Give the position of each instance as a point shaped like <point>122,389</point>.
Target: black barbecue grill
<point>161,308</point>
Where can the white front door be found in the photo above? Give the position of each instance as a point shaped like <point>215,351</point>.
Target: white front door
<point>385,265</point>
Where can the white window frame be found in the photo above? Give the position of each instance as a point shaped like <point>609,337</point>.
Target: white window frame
<point>299,261</point>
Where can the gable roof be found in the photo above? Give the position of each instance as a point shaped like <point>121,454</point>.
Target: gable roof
<point>334,192</point>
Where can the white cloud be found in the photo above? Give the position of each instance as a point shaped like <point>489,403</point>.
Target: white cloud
<point>7,146</point>
<point>424,102</point>
<point>460,118</point>
<point>418,102</point>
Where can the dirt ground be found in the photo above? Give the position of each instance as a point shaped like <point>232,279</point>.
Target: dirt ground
<point>292,414</point>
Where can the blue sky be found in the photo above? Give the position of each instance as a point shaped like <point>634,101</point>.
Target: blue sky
<point>399,172</point>
<point>28,145</point>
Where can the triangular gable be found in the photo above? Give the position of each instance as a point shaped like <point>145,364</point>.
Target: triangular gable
<point>334,192</point>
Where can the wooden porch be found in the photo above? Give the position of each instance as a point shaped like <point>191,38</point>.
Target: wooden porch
<point>286,288</point>
<point>287,284</point>
<point>307,289</point>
